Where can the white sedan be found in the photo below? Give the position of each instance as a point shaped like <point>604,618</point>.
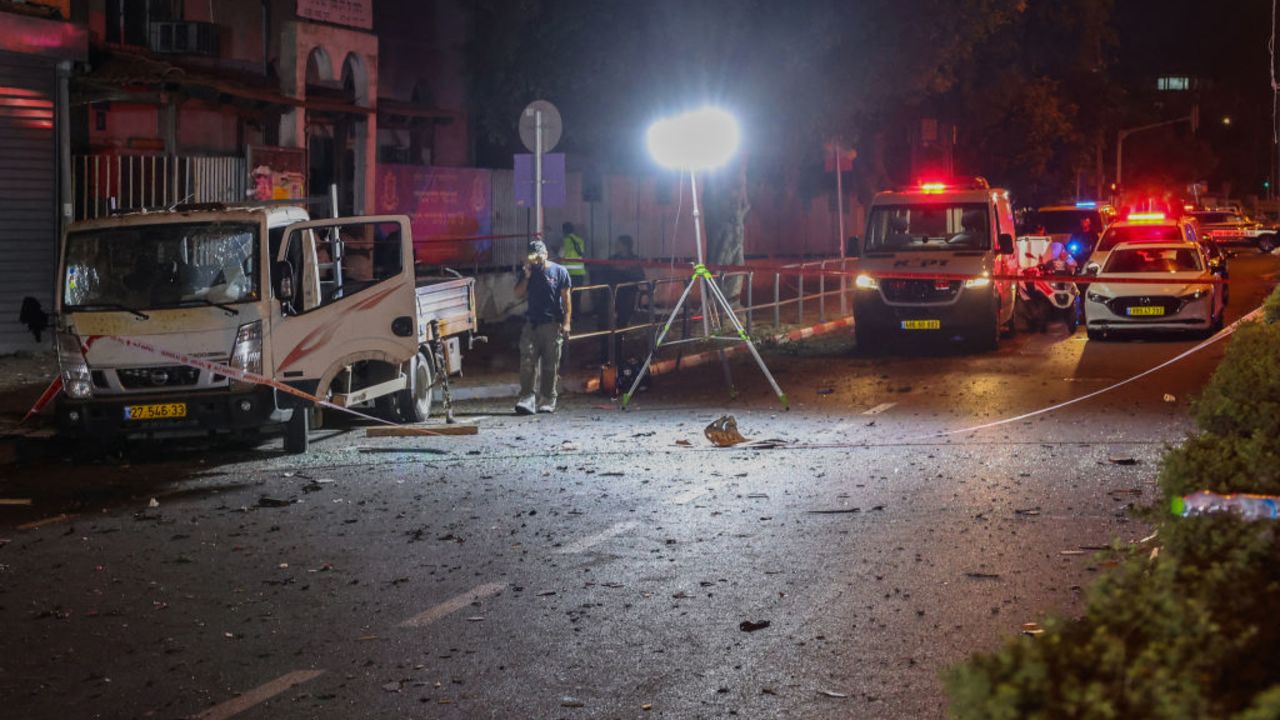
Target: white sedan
<point>1185,299</point>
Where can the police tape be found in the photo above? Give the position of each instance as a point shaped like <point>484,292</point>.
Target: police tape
<point>233,373</point>
<point>792,269</point>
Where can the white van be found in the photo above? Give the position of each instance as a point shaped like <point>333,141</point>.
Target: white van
<point>936,228</point>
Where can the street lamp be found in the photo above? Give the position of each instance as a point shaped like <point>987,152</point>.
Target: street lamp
<point>700,139</point>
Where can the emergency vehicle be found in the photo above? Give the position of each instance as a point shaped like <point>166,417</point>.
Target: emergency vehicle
<point>964,229</point>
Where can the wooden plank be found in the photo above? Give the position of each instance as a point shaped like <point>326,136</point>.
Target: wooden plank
<point>421,430</point>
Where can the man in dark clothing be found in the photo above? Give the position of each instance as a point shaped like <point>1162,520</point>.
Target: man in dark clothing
<point>547,322</point>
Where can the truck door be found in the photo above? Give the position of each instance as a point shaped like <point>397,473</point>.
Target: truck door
<point>352,297</point>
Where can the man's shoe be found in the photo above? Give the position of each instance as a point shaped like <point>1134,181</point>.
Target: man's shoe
<point>524,408</point>
<point>547,408</point>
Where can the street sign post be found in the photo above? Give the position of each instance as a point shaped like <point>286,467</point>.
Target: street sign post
<point>539,131</point>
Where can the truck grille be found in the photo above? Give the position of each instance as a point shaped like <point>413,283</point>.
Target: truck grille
<point>919,291</point>
<point>154,377</point>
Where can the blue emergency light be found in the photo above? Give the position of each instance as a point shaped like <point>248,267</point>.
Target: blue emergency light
<point>1087,204</point>
<point>1074,247</point>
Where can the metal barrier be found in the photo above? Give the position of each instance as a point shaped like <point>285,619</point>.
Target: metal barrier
<point>648,293</point>
<point>101,183</point>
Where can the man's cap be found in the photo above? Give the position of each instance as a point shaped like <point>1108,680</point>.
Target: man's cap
<point>537,247</point>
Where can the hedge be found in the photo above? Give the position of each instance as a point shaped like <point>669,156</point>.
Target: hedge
<point>1193,631</point>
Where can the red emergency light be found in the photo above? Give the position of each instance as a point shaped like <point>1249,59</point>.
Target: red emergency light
<point>932,188</point>
<point>1149,217</point>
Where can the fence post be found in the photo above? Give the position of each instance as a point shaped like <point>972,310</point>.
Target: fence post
<point>822,292</point>
<point>844,284</point>
<point>800,295</point>
<point>751,278</point>
<point>653,315</point>
<point>777,300</point>
<point>613,326</point>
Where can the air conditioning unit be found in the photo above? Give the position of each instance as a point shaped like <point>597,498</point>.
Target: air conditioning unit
<point>185,37</point>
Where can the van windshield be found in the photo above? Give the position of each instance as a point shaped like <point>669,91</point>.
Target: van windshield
<point>935,226</point>
<point>161,265</point>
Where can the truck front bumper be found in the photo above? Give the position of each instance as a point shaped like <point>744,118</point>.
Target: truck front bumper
<point>971,311</point>
<point>205,412</point>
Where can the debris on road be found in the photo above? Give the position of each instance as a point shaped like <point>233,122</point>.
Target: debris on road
<point>1122,460</point>
<point>571,702</point>
<point>832,694</point>
<point>154,503</point>
<point>568,446</point>
<point>420,431</point>
<point>983,575</point>
<point>826,391</point>
<point>841,511</point>
<point>723,432</point>
<point>266,501</point>
<point>1032,629</point>
<point>15,501</point>
<point>35,524</point>
<point>1027,511</point>
<point>684,443</point>
<point>749,626</point>
<point>1170,398</point>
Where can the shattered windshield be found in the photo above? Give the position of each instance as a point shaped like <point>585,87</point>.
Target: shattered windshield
<point>162,265</point>
<point>940,226</point>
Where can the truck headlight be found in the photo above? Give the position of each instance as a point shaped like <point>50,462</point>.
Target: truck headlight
<point>866,282</point>
<point>246,354</point>
<point>77,382</point>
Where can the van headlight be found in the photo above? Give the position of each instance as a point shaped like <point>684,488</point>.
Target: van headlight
<point>77,383</point>
<point>866,282</point>
<point>246,354</point>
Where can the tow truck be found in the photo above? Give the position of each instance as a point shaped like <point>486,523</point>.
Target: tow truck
<point>946,228</point>
<point>151,304</point>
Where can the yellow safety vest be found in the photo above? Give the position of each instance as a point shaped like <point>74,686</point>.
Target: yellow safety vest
<point>571,255</point>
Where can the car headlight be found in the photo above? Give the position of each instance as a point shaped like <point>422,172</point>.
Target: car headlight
<point>77,382</point>
<point>866,282</point>
<point>1097,297</point>
<point>246,354</point>
<point>978,282</point>
<point>1196,295</point>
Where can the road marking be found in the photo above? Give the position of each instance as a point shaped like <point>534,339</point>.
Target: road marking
<point>690,495</point>
<point>454,604</point>
<point>258,695</point>
<point>585,543</point>
<point>879,408</point>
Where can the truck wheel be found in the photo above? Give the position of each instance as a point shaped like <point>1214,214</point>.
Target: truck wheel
<point>413,404</point>
<point>987,338</point>
<point>297,431</point>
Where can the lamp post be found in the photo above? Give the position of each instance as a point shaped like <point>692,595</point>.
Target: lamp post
<point>698,140</point>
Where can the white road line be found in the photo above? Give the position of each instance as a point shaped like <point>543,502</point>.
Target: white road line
<point>879,408</point>
<point>585,543</point>
<point>258,695</point>
<point>690,495</point>
<point>454,604</point>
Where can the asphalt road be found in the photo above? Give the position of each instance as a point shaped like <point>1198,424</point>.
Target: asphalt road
<point>591,565</point>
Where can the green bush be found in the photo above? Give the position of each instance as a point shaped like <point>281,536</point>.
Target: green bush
<point>1194,632</point>
<point>1271,308</point>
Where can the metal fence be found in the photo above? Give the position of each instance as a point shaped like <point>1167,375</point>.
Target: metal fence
<point>793,292</point>
<point>102,183</point>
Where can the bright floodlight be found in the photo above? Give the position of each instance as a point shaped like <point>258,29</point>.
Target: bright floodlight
<point>695,140</point>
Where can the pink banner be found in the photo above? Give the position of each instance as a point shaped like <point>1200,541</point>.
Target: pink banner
<point>442,203</point>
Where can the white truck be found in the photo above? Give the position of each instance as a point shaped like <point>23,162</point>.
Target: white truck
<point>945,229</point>
<point>333,308</point>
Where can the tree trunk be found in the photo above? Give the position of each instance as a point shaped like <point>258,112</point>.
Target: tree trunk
<point>725,207</point>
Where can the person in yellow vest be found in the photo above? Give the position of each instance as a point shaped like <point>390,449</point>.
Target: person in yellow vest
<point>572,249</point>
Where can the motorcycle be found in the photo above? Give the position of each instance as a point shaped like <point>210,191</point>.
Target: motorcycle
<point>1045,300</point>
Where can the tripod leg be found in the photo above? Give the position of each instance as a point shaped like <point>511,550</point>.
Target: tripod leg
<point>742,333</point>
<point>708,297</point>
<point>666,328</point>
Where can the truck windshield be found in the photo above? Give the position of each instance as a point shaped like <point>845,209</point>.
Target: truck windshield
<point>161,266</point>
<point>935,226</point>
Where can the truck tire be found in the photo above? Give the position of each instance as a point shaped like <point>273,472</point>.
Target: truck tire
<point>297,431</point>
<point>986,338</point>
<point>413,404</point>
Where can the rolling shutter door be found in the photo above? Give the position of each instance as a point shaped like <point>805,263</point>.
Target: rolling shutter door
<point>28,193</point>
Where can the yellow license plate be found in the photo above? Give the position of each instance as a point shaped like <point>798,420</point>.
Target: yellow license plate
<point>158,411</point>
<point>921,324</point>
<point>1146,311</point>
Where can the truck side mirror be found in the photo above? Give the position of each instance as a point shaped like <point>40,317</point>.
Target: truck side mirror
<point>851,246</point>
<point>1004,244</point>
<point>284,280</point>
